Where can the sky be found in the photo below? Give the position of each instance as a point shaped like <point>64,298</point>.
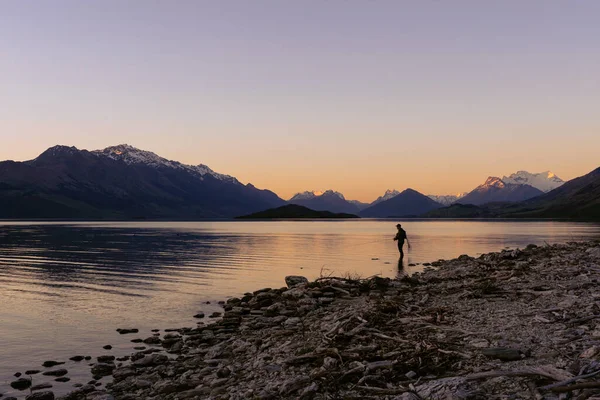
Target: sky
<point>355,96</point>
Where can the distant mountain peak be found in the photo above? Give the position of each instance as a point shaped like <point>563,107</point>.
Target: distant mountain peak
<point>494,181</point>
<point>447,199</point>
<point>54,153</point>
<point>407,203</point>
<point>60,149</point>
<point>389,193</point>
<point>544,181</point>
<point>333,193</point>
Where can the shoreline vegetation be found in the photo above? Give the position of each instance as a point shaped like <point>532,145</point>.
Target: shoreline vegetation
<point>521,324</point>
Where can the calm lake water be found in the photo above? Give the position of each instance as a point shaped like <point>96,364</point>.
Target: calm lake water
<point>66,287</point>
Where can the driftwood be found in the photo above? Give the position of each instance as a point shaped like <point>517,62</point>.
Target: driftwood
<point>571,380</point>
<point>546,372</point>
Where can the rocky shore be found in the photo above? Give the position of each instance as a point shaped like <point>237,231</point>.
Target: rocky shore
<point>519,324</point>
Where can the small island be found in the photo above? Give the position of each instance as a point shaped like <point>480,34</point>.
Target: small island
<point>293,211</point>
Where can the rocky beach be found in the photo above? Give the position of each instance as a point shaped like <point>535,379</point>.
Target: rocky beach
<point>517,324</point>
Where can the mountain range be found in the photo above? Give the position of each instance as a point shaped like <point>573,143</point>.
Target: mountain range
<point>325,201</point>
<point>516,187</point>
<point>578,198</point>
<point>122,182</point>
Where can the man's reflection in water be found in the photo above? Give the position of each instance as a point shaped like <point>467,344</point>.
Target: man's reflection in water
<point>401,270</point>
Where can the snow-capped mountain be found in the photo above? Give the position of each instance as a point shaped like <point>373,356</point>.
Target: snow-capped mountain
<point>122,182</point>
<point>390,193</point>
<point>329,200</point>
<point>495,189</point>
<point>316,193</point>
<point>447,199</point>
<point>544,181</point>
<point>131,155</point>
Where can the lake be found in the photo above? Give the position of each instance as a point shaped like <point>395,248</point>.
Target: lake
<point>66,287</point>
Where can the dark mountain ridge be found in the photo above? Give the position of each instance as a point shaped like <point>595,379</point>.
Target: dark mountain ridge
<point>409,203</point>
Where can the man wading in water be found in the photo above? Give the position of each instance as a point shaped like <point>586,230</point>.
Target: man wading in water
<point>400,237</point>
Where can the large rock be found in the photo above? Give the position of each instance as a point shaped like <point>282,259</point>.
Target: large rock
<point>295,280</point>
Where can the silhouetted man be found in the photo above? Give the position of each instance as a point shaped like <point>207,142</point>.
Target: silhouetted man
<point>401,237</point>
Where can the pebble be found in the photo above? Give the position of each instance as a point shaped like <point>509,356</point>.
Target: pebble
<point>56,372</point>
<point>42,386</point>
<point>50,364</point>
<point>127,331</point>
<point>21,384</point>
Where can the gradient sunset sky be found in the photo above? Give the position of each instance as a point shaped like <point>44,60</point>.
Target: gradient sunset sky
<point>356,96</point>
